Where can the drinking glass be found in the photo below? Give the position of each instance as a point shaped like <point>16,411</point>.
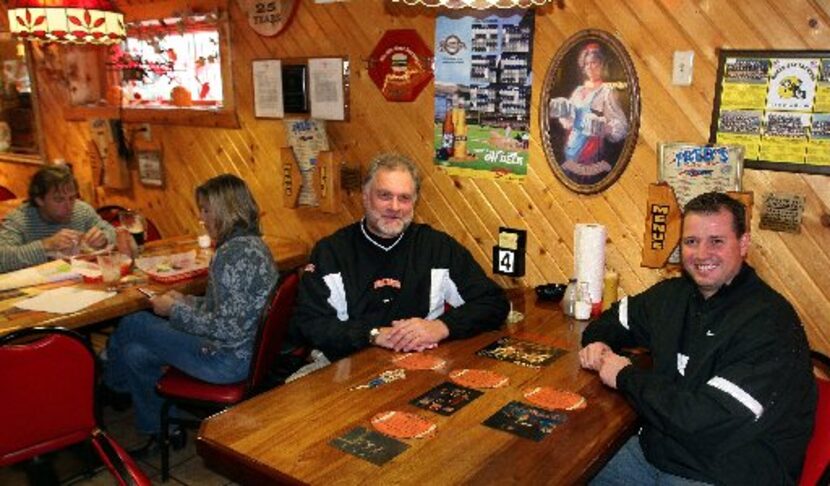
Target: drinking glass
<point>110,265</point>
<point>134,223</point>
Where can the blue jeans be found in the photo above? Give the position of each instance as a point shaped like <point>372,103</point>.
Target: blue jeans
<point>140,348</point>
<point>630,466</point>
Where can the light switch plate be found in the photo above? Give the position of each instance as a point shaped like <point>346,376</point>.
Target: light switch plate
<point>682,68</point>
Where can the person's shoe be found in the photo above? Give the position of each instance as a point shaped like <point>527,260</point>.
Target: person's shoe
<point>149,448</point>
<point>177,437</point>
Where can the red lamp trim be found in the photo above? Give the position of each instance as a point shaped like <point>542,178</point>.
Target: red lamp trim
<point>66,21</point>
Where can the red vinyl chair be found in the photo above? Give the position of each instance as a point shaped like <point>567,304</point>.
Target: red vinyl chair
<point>182,390</point>
<point>48,378</point>
<point>6,194</point>
<point>816,470</point>
<point>110,212</point>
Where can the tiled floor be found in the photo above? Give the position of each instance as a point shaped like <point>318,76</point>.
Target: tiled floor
<point>186,467</point>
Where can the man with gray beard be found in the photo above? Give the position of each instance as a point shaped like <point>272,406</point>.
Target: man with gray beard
<point>388,282</point>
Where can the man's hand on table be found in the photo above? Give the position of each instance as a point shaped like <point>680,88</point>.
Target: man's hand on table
<point>413,334</point>
<point>599,357</point>
<point>590,357</point>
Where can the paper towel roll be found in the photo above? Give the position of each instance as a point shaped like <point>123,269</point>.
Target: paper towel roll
<point>589,257</point>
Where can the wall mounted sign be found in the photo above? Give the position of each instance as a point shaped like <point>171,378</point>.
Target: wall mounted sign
<point>269,17</point>
<point>777,105</point>
<point>483,88</point>
<point>590,111</point>
<point>401,65</point>
<point>692,169</point>
<point>150,168</point>
<point>782,212</point>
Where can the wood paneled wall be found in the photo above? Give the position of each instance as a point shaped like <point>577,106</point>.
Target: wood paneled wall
<point>470,209</point>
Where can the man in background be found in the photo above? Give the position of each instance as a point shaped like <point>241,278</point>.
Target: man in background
<point>51,223</point>
<point>388,282</point>
<point>731,397</point>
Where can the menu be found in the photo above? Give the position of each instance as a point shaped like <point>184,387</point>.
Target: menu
<point>776,104</point>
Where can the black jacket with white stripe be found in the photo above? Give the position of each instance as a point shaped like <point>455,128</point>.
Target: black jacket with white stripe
<point>731,396</point>
<point>355,283</point>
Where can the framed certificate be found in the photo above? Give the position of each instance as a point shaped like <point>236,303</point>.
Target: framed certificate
<point>150,168</point>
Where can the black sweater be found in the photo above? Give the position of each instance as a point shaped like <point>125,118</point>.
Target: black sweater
<point>731,396</point>
<point>355,283</point>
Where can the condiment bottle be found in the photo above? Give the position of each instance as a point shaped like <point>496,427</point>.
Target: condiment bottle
<point>609,288</point>
<point>582,304</point>
<point>204,237</point>
<point>204,241</point>
<point>569,298</point>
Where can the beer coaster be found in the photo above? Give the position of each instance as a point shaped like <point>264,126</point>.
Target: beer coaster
<point>418,361</point>
<point>403,425</point>
<point>551,399</point>
<point>478,378</point>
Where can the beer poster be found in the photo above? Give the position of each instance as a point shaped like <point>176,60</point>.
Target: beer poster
<point>483,75</point>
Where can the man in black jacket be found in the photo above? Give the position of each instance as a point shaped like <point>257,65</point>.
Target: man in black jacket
<point>730,398</point>
<point>388,282</point>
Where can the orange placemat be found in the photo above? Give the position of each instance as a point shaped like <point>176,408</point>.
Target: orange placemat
<point>552,399</point>
<point>418,361</point>
<point>473,378</point>
<point>403,425</point>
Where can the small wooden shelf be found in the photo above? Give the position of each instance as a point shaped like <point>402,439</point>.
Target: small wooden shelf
<point>192,116</point>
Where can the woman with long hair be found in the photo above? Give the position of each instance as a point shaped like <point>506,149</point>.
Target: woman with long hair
<point>209,337</point>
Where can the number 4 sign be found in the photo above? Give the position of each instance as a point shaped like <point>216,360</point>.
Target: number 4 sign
<point>506,261</point>
<point>509,254</point>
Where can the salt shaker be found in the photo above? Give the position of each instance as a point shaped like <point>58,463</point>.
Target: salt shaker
<point>569,298</point>
<point>582,304</point>
<point>204,237</point>
<point>204,242</point>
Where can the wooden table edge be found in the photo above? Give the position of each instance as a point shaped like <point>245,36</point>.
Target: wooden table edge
<point>238,467</point>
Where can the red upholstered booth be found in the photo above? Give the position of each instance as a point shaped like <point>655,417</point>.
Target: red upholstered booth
<point>816,469</point>
<point>110,215</point>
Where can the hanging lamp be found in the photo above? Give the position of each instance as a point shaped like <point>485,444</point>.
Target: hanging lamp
<point>66,21</point>
<point>476,4</point>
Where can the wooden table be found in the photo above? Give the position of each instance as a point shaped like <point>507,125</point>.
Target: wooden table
<point>283,435</point>
<point>288,253</point>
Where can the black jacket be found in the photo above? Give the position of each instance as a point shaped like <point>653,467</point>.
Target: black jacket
<point>354,284</point>
<point>731,396</point>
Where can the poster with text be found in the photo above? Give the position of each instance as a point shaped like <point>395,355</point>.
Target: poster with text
<point>483,77</point>
<point>776,104</point>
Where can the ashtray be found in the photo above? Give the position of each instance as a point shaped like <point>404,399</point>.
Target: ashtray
<point>551,292</point>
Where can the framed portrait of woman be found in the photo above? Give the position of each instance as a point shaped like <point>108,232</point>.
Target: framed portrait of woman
<point>590,112</point>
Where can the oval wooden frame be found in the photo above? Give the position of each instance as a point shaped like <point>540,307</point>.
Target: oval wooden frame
<point>553,88</point>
